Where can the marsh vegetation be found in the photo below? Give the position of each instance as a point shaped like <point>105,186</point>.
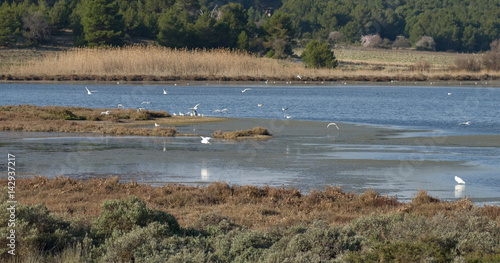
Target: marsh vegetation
<point>103,220</point>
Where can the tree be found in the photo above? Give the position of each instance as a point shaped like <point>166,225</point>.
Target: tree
<point>102,24</point>
<point>175,29</point>
<point>6,25</point>
<point>426,43</point>
<point>318,55</point>
<point>37,28</point>
<point>280,33</point>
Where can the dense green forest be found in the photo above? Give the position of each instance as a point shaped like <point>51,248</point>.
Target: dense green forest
<point>266,27</point>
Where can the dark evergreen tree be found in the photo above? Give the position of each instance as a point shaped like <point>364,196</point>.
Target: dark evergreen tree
<point>102,23</point>
<point>318,55</point>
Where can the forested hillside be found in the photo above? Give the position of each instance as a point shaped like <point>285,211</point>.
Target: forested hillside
<point>266,27</point>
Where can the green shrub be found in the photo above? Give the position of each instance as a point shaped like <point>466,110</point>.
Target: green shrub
<point>126,215</point>
<point>318,55</point>
<point>35,230</point>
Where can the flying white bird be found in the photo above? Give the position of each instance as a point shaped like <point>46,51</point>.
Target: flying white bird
<point>260,104</point>
<point>205,140</point>
<point>332,123</point>
<point>459,180</point>
<point>449,93</point>
<point>284,109</point>
<point>195,107</point>
<point>146,102</point>
<point>243,91</point>
<point>288,116</point>
<point>105,112</point>
<point>164,92</point>
<point>465,123</point>
<point>88,91</point>
<point>121,106</point>
<point>299,76</point>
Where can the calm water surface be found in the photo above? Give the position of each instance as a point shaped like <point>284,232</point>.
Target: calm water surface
<point>303,154</point>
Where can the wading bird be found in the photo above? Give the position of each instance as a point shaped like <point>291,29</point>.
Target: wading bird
<point>459,180</point>
<point>332,123</point>
<point>205,140</point>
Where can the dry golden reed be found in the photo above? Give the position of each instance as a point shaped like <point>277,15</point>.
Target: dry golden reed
<point>152,63</point>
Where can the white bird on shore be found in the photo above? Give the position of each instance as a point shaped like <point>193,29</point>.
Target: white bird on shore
<point>157,125</point>
<point>332,123</point>
<point>459,180</point>
<point>205,140</point>
<point>243,91</point>
<point>105,112</point>
<point>465,123</point>
<point>164,92</point>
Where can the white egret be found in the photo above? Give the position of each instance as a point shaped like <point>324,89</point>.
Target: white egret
<point>243,91</point>
<point>205,140</point>
<point>332,123</point>
<point>459,180</point>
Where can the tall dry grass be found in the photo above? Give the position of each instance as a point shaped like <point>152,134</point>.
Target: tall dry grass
<point>157,61</point>
<point>150,63</point>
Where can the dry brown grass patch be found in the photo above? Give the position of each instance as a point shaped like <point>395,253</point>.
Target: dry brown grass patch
<point>260,133</point>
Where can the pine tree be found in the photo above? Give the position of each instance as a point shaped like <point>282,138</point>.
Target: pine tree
<point>102,24</point>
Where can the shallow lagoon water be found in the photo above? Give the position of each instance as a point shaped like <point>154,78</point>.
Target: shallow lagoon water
<point>394,140</point>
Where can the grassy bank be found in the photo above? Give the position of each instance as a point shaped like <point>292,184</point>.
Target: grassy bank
<point>102,220</point>
<point>162,64</point>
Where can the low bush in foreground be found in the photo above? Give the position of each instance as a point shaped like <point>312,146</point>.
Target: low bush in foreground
<point>128,230</point>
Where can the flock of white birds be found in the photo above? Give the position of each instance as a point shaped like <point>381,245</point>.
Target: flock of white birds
<point>206,139</point>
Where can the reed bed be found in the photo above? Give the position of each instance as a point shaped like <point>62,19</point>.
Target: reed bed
<point>151,63</point>
<point>154,61</point>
